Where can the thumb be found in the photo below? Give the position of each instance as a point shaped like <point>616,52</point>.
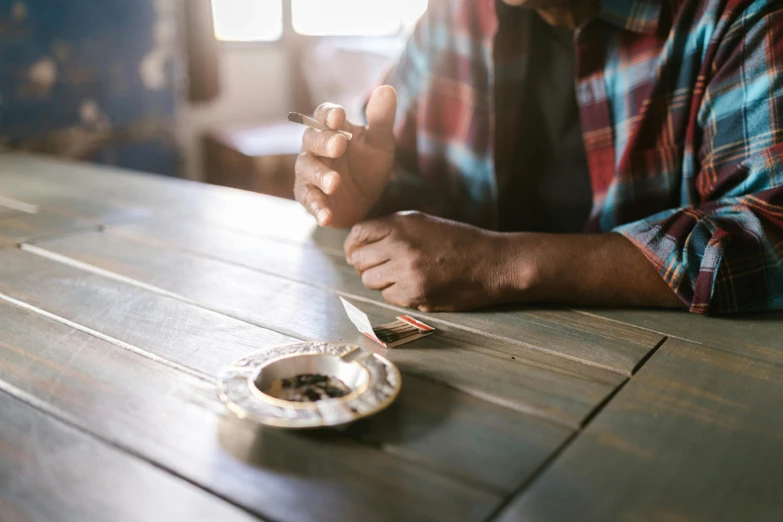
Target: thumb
<point>381,111</point>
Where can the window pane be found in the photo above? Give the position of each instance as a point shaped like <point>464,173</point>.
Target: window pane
<point>354,17</point>
<point>248,20</point>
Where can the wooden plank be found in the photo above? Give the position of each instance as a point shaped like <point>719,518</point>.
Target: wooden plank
<point>9,212</point>
<point>753,335</point>
<point>69,201</point>
<point>26,227</point>
<point>205,341</point>
<point>227,207</point>
<point>614,347</point>
<point>466,430</point>
<point>522,378</point>
<point>175,420</point>
<point>51,471</point>
<point>696,435</point>
<point>597,342</point>
<point>184,334</point>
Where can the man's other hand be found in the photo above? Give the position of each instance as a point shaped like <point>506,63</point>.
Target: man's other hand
<point>338,181</point>
<point>432,264</point>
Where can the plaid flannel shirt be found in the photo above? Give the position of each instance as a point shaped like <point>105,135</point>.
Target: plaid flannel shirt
<point>681,106</point>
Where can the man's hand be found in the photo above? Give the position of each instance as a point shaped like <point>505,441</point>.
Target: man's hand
<point>339,181</point>
<point>424,262</point>
<point>419,261</point>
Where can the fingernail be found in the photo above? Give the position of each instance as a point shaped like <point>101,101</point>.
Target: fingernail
<point>321,216</point>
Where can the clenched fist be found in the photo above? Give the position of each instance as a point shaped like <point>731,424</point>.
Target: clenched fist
<point>433,264</point>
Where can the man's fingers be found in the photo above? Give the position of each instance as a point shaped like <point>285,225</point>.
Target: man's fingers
<point>333,116</point>
<point>378,278</point>
<point>365,233</point>
<point>310,169</point>
<point>324,143</point>
<point>395,294</point>
<point>369,256</point>
<point>381,111</point>
<point>314,201</point>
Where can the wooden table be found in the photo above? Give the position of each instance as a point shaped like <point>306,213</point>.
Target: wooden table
<point>122,295</point>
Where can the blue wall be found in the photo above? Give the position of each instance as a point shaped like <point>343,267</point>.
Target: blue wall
<point>93,79</point>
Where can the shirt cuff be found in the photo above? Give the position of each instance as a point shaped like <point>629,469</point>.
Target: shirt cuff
<point>686,247</point>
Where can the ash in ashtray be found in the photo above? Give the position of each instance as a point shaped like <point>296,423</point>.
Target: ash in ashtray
<point>308,387</point>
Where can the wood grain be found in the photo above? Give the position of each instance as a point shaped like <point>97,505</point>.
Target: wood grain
<point>696,435</point>
<point>175,420</point>
<point>516,376</point>
<point>26,227</point>
<point>205,341</point>
<point>754,335</point>
<point>6,212</point>
<point>69,201</point>
<point>594,341</point>
<point>51,471</point>
<point>164,327</point>
<point>615,347</point>
<point>180,199</point>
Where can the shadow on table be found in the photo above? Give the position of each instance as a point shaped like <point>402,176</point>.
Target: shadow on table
<point>411,420</point>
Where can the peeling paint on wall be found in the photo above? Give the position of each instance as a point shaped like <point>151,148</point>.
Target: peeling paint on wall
<point>18,11</point>
<point>91,80</point>
<point>152,68</point>
<point>43,74</point>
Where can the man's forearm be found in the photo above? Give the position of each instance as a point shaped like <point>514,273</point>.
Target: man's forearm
<point>585,269</point>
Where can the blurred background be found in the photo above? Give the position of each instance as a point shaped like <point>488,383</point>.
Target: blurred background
<point>198,89</point>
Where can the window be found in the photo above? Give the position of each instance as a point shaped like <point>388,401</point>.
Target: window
<point>262,20</point>
<point>248,20</point>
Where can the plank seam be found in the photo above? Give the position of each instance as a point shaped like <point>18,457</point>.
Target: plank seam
<point>667,335</point>
<point>116,342</point>
<point>115,229</point>
<point>72,422</point>
<point>567,443</point>
<point>58,235</point>
<point>436,468</point>
<point>496,400</point>
<point>21,206</point>
<point>69,261</point>
<point>59,258</point>
<point>364,299</point>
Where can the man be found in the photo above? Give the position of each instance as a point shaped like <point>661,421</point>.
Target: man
<point>666,118</point>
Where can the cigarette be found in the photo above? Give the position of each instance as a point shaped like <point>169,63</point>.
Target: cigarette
<point>315,124</point>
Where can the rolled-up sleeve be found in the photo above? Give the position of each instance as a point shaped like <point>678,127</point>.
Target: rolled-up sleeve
<point>726,253</point>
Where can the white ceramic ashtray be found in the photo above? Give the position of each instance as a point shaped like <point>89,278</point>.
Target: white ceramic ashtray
<point>308,385</point>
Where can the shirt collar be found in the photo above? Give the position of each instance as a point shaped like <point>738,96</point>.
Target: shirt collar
<point>639,16</point>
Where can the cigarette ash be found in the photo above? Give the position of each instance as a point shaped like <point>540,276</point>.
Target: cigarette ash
<point>308,387</point>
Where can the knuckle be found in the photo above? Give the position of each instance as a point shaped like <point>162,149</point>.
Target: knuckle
<point>408,299</point>
<point>307,139</point>
<point>358,233</point>
<point>321,110</point>
<point>308,196</point>
<point>301,161</point>
<point>298,192</point>
<point>357,258</point>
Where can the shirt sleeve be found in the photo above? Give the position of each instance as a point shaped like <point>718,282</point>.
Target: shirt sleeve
<point>410,76</point>
<point>726,254</point>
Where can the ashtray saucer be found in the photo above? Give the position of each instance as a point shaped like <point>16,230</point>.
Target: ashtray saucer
<point>373,381</point>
